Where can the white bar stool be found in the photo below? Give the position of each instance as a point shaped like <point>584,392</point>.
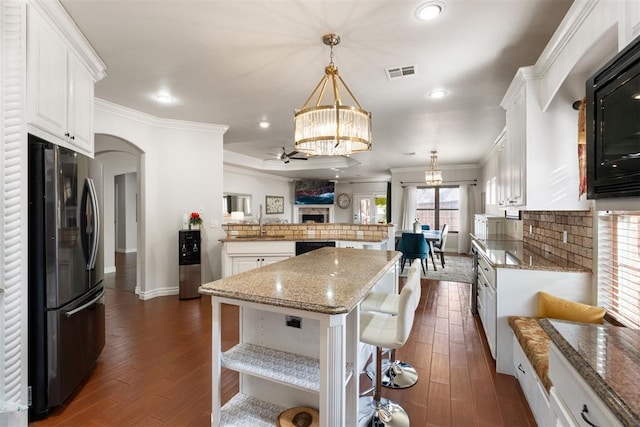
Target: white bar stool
<point>391,332</point>
<point>395,373</point>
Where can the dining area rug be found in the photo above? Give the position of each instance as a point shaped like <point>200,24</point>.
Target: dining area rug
<point>457,268</point>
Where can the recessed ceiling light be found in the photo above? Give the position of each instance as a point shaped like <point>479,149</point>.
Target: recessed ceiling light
<point>164,98</point>
<point>438,93</point>
<point>430,10</point>
<point>264,124</point>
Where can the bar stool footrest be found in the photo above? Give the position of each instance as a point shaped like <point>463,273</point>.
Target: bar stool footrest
<point>395,375</point>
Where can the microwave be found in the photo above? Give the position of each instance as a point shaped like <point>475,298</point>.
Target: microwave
<point>613,127</point>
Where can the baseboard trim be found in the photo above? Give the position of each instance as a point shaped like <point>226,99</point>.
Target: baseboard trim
<point>163,292</point>
<point>126,251</point>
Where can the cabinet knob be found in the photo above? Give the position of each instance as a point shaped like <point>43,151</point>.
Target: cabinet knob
<point>67,134</point>
<point>520,368</point>
<point>72,137</point>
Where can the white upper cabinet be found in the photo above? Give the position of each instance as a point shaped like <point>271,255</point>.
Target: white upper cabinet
<point>80,105</point>
<point>60,79</point>
<point>47,81</point>
<point>512,152</point>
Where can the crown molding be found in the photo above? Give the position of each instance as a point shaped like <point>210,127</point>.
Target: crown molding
<point>57,16</point>
<point>131,114</point>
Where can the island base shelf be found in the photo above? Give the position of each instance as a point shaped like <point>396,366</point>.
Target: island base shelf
<point>243,410</point>
<point>294,370</point>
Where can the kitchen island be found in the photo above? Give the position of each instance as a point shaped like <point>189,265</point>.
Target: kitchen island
<point>299,335</point>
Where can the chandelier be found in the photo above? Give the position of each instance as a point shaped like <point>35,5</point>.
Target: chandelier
<point>331,129</point>
<point>433,176</point>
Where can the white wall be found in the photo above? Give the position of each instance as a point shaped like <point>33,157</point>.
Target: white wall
<point>346,216</point>
<point>180,169</point>
<point>259,185</point>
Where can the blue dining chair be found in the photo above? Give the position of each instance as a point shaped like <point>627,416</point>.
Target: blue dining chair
<point>413,245</point>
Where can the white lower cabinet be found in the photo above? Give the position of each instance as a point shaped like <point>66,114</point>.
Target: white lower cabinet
<point>514,292</point>
<point>487,310</point>
<point>532,387</point>
<point>572,399</point>
<point>240,264</point>
<point>238,257</point>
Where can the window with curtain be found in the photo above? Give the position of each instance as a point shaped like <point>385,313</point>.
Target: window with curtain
<point>618,270</point>
<point>438,206</point>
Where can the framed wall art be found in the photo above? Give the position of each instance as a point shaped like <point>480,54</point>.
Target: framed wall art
<point>274,204</point>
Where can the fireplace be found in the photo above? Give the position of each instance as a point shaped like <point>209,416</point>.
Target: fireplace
<point>307,218</point>
<point>321,214</point>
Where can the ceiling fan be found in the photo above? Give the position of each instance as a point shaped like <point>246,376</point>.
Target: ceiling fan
<point>286,157</point>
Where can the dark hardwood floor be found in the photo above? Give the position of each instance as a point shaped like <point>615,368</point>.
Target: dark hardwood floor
<point>155,368</point>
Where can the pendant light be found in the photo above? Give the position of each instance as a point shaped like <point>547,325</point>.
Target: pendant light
<point>331,129</point>
<point>433,176</point>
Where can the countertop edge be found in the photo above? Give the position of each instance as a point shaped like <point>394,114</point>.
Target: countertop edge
<point>274,302</point>
<point>297,239</point>
<point>481,245</point>
<point>316,308</point>
<point>610,398</point>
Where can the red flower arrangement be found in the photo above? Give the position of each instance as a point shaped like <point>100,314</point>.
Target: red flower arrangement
<point>194,219</point>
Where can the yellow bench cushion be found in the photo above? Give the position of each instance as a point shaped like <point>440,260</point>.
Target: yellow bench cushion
<point>535,343</point>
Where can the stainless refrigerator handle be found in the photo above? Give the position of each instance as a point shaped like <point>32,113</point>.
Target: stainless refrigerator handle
<point>96,224</point>
<point>82,307</point>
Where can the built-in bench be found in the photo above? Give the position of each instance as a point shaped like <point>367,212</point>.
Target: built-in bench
<point>531,362</point>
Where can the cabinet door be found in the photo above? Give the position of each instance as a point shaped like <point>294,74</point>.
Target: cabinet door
<point>80,112</point>
<point>516,118</point>
<point>242,264</point>
<point>504,188</point>
<point>46,77</point>
<point>271,259</point>
<point>490,326</point>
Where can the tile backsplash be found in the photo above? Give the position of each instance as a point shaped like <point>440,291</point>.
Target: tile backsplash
<point>546,230</point>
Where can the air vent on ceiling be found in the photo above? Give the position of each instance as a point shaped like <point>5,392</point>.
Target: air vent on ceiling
<point>396,73</point>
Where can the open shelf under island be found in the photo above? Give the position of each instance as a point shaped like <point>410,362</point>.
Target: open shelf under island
<point>282,365</point>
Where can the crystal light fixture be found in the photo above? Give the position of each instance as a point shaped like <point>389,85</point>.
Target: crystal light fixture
<point>331,129</point>
<point>433,176</point>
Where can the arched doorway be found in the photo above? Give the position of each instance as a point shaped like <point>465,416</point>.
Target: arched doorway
<point>123,242</point>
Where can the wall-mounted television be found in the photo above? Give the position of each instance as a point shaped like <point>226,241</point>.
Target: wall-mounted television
<point>310,192</point>
<point>613,127</point>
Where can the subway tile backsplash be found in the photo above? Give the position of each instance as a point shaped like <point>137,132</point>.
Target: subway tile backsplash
<point>548,229</point>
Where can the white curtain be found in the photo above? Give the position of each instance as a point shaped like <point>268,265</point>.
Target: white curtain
<point>408,207</point>
<point>467,212</point>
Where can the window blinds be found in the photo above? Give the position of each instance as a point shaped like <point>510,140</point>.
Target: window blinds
<point>618,272</point>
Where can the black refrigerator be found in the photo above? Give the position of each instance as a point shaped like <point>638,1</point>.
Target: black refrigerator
<point>66,269</point>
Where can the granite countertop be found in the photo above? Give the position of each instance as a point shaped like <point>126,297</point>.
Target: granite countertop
<point>279,238</point>
<point>506,252</point>
<point>607,358</point>
<point>327,280</point>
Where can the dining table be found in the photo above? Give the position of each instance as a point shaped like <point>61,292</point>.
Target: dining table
<point>430,236</point>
